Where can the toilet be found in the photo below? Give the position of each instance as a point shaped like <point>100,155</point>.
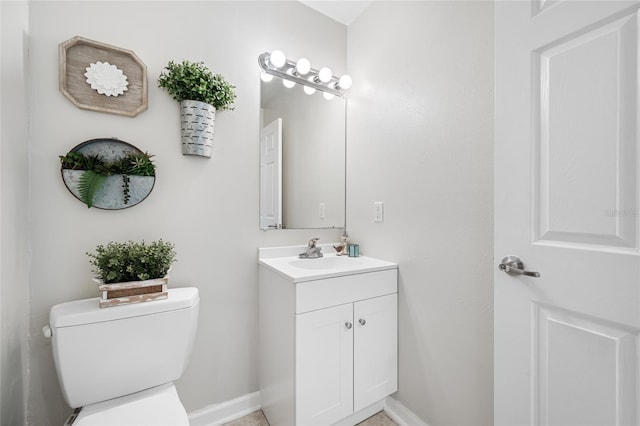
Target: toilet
<point>116,366</point>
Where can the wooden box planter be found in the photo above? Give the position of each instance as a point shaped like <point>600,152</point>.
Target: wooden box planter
<point>132,292</point>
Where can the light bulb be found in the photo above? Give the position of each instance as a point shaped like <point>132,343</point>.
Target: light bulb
<point>345,82</point>
<point>277,58</point>
<point>308,89</point>
<point>303,66</point>
<point>327,96</point>
<point>325,75</point>
<point>288,83</point>
<point>265,77</point>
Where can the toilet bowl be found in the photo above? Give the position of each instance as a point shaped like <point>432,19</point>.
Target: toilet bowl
<point>159,406</point>
<point>117,365</point>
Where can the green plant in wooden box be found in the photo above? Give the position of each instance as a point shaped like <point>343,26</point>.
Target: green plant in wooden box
<point>132,261</point>
<point>132,272</point>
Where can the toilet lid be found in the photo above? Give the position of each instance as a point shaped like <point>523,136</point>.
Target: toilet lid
<point>152,407</point>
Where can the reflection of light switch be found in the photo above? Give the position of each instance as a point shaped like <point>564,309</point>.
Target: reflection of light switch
<point>321,210</point>
<point>378,211</point>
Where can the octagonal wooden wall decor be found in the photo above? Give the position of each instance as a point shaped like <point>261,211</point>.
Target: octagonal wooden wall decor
<point>78,53</point>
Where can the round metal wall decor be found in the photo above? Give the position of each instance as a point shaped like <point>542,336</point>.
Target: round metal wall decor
<point>115,191</point>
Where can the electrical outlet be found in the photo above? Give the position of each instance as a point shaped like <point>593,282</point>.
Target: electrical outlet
<point>321,210</point>
<point>378,212</point>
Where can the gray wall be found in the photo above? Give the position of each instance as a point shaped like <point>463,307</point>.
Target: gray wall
<point>420,138</point>
<point>207,207</point>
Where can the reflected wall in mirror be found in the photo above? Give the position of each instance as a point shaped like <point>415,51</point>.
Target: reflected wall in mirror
<point>302,158</point>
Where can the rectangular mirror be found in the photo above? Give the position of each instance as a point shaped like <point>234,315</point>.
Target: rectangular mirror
<point>302,158</point>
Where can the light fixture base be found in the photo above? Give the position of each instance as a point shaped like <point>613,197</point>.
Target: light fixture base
<point>267,67</point>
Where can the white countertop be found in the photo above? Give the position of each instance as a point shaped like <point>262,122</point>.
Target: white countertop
<point>285,261</point>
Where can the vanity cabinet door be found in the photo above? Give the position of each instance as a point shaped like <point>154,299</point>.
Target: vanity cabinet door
<point>375,345</point>
<point>324,365</point>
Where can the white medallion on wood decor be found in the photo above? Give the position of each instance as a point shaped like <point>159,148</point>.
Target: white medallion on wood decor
<point>106,79</point>
<point>113,69</point>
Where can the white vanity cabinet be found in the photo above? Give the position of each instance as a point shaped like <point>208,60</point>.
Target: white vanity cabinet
<point>346,359</point>
<point>328,346</point>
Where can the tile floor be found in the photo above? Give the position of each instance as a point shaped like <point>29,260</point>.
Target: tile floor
<point>380,419</point>
<point>257,419</point>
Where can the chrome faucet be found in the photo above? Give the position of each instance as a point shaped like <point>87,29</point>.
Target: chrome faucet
<point>313,251</point>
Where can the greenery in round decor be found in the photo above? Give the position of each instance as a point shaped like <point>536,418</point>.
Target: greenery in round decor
<point>97,170</point>
<point>193,81</point>
<point>132,261</point>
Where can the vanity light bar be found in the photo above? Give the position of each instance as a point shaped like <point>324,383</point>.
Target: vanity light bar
<point>310,79</point>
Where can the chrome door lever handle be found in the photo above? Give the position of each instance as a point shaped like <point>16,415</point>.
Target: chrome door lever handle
<point>512,265</point>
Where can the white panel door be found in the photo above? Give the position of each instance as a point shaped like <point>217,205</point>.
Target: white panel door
<point>375,350</point>
<point>271,175</point>
<point>566,203</point>
<point>324,365</point>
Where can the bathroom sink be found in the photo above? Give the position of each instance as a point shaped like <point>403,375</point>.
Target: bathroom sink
<point>285,261</point>
<point>340,262</point>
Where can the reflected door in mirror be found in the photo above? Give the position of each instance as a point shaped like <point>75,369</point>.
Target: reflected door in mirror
<point>271,175</point>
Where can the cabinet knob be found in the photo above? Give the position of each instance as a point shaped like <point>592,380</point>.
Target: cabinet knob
<point>348,325</point>
<point>362,321</point>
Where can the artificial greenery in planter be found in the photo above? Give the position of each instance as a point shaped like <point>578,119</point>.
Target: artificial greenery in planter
<point>200,92</point>
<point>193,81</point>
<point>132,272</point>
<point>96,170</point>
<point>132,261</point>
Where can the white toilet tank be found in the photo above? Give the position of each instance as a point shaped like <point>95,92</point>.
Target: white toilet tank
<point>107,353</point>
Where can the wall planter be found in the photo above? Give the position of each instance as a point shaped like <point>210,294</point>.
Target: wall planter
<point>200,93</point>
<point>111,195</point>
<point>197,121</point>
<point>108,174</point>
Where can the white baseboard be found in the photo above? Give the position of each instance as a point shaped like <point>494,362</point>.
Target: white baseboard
<point>218,414</point>
<point>361,415</point>
<point>401,414</point>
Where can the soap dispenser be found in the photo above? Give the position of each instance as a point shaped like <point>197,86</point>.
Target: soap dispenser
<point>343,247</point>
